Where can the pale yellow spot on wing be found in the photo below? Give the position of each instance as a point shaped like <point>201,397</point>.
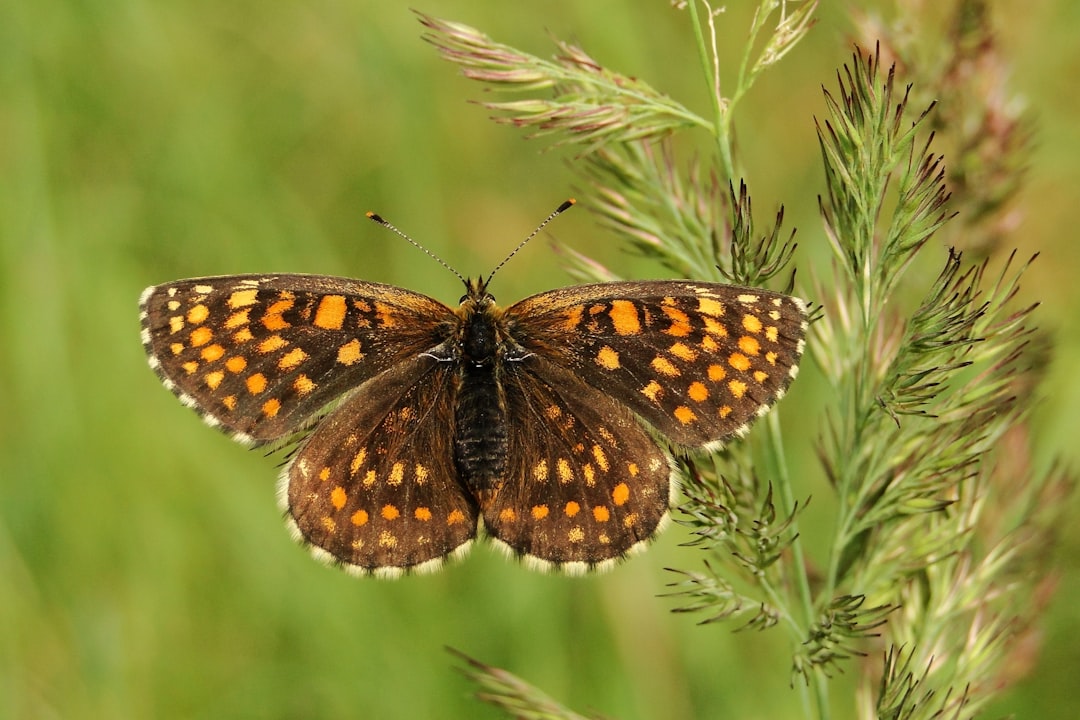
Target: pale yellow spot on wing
<point>748,299</point>
<point>237,319</point>
<point>711,306</point>
<point>421,474</point>
<point>664,366</point>
<point>770,357</point>
<point>540,470</point>
<point>292,358</point>
<point>358,461</point>
<point>397,473</point>
<point>242,298</point>
<point>737,388</point>
<point>683,352</point>
<point>575,535</point>
<point>601,457</point>
<point>270,344</point>
<point>771,333</point>
<point>761,376</point>
<point>176,324</point>
<point>652,391</point>
<point>213,379</point>
<point>303,385</point>
<point>566,474</point>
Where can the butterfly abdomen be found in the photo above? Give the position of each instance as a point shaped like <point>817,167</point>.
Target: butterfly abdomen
<point>481,441</point>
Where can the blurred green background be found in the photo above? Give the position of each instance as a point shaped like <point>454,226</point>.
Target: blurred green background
<point>144,568</point>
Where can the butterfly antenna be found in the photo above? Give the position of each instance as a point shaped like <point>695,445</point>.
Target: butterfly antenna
<point>375,217</point>
<point>567,204</point>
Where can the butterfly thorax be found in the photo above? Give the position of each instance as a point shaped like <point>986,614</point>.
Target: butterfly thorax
<point>483,346</point>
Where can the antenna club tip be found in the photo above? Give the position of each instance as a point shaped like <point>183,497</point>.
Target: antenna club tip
<point>570,202</point>
<point>375,217</point>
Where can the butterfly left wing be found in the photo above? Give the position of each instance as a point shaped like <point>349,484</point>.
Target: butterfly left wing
<point>698,361</point>
<point>261,356</point>
<point>374,488</point>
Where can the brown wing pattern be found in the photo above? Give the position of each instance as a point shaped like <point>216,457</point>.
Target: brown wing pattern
<point>262,355</point>
<point>375,488</point>
<point>698,361</point>
<point>586,484</point>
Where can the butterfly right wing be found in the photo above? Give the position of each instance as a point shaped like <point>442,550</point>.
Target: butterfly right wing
<point>261,356</point>
<point>375,487</point>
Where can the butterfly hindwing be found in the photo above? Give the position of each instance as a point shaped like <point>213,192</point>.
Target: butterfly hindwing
<point>585,484</point>
<point>374,488</point>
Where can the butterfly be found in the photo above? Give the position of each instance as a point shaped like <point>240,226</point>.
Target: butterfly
<point>545,423</point>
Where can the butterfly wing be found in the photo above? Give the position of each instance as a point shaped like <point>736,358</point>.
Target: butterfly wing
<point>262,355</point>
<point>375,488</point>
<point>698,361</point>
<point>585,484</point>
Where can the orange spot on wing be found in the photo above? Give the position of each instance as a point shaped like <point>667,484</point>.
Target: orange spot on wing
<point>242,298</point>
<point>607,358</point>
<point>572,509</point>
<point>620,494</point>
<point>684,415</point>
<point>349,353</point>
<point>601,513</point>
<point>422,513</point>
<point>698,392</point>
<point>256,383</point>
<point>737,388</point>
<point>749,345</point>
<point>330,315</point>
<point>271,407</point>
<point>739,361</point>
<point>455,517</point>
<point>200,336</point>
<point>198,314</point>
<point>360,517</point>
<point>751,323</point>
<point>539,512</point>
<point>390,512</point>
<point>624,317</point>
<point>338,498</point>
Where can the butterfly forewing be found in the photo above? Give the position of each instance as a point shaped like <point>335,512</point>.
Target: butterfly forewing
<point>585,484</point>
<point>261,356</point>
<point>375,487</point>
<point>698,361</point>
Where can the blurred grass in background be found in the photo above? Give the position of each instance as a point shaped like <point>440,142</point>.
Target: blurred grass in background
<point>144,569</point>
